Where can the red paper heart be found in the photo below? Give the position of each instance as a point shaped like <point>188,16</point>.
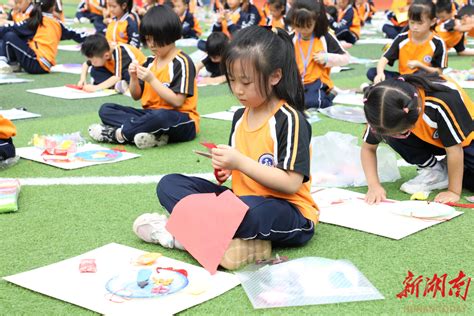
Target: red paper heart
<point>205,225</point>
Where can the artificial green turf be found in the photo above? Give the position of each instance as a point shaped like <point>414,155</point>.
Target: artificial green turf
<point>59,222</point>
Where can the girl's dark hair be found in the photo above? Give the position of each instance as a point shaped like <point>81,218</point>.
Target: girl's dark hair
<point>216,44</point>
<point>36,15</point>
<point>95,45</point>
<point>304,12</point>
<point>420,8</point>
<point>129,4</point>
<point>162,24</point>
<point>391,106</point>
<point>266,51</point>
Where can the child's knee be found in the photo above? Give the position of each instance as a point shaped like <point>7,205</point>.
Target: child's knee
<point>105,109</point>
<point>167,184</point>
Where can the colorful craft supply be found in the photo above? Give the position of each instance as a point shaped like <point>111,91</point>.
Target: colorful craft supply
<point>143,277</point>
<point>87,266</point>
<point>9,192</point>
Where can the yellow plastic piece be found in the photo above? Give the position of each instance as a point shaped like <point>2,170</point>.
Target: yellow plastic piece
<point>148,258</point>
<point>422,196</point>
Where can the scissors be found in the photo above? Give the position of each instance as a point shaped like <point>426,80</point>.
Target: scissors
<point>208,154</point>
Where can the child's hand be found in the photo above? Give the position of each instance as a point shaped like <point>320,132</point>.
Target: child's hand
<point>221,16</point>
<point>320,58</point>
<point>379,78</point>
<point>447,196</point>
<point>90,88</point>
<point>413,64</point>
<point>145,74</point>
<point>133,69</point>
<point>80,83</point>
<point>375,195</point>
<point>226,157</point>
<point>222,175</point>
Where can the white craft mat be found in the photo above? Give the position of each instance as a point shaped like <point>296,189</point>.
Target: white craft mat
<point>63,281</point>
<point>71,94</point>
<point>353,212</point>
<point>15,114</point>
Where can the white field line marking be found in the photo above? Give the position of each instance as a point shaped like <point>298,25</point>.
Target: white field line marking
<point>104,180</point>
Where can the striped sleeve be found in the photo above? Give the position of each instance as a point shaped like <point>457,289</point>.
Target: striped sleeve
<point>440,56</point>
<point>393,52</point>
<point>293,134</point>
<point>369,137</point>
<point>117,56</point>
<point>453,122</point>
<point>183,74</point>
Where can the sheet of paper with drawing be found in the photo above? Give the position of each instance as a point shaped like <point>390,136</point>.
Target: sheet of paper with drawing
<point>391,219</point>
<point>71,93</point>
<point>123,284</point>
<point>85,156</point>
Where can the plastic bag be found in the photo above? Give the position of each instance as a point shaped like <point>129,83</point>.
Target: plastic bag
<point>305,281</point>
<point>336,162</point>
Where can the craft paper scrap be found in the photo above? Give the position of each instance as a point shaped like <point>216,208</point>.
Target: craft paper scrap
<point>87,155</point>
<point>71,94</point>
<point>9,192</point>
<point>205,225</point>
<point>15,114</point>
<point>391,219</point>
<point>306,281</point>
<point>75,69</point>
<point>113,287</point>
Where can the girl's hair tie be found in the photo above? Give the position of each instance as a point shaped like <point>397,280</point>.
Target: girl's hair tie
<point>401,78</point>
<point>364,100</point>
<point>415,94</point>
<point>406,110</point>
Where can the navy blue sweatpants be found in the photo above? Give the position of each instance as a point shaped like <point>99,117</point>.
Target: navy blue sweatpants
<point>7,149</point>
<point>316,96</point>
<point>97,20</point>
<point>177,125</point>
<point>372,73</point>
<point>418,152</point>
<point>15,49</point>
<point>392,31</point>
<point>267,218</point>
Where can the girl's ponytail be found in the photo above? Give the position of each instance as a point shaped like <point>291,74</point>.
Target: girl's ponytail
<point>290,87</point>
<point>36,15</point>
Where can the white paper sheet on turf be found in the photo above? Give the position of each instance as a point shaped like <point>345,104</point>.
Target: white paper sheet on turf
<point>380,41</point>
<point>75,69</point>
<point>70,48</point>
<point>380,220</point>
<point>349,98</point>
<point>71,94</point>
<point>33,153</point>
<point>10,79</point>
<point>466,84</point>
<point>15,114</point>
<point>62,280</point>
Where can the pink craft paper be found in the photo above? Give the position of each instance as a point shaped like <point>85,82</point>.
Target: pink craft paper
<point>205,225</point>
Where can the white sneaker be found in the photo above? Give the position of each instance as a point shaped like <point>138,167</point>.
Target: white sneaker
<point>428,179</point>
<point>150,227</point>
<point>147,140</point>
<point>84,20</point>
<point>5,68</point>
<point>121,86</point>
<point>103,133</point>
<point>76,21</point>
